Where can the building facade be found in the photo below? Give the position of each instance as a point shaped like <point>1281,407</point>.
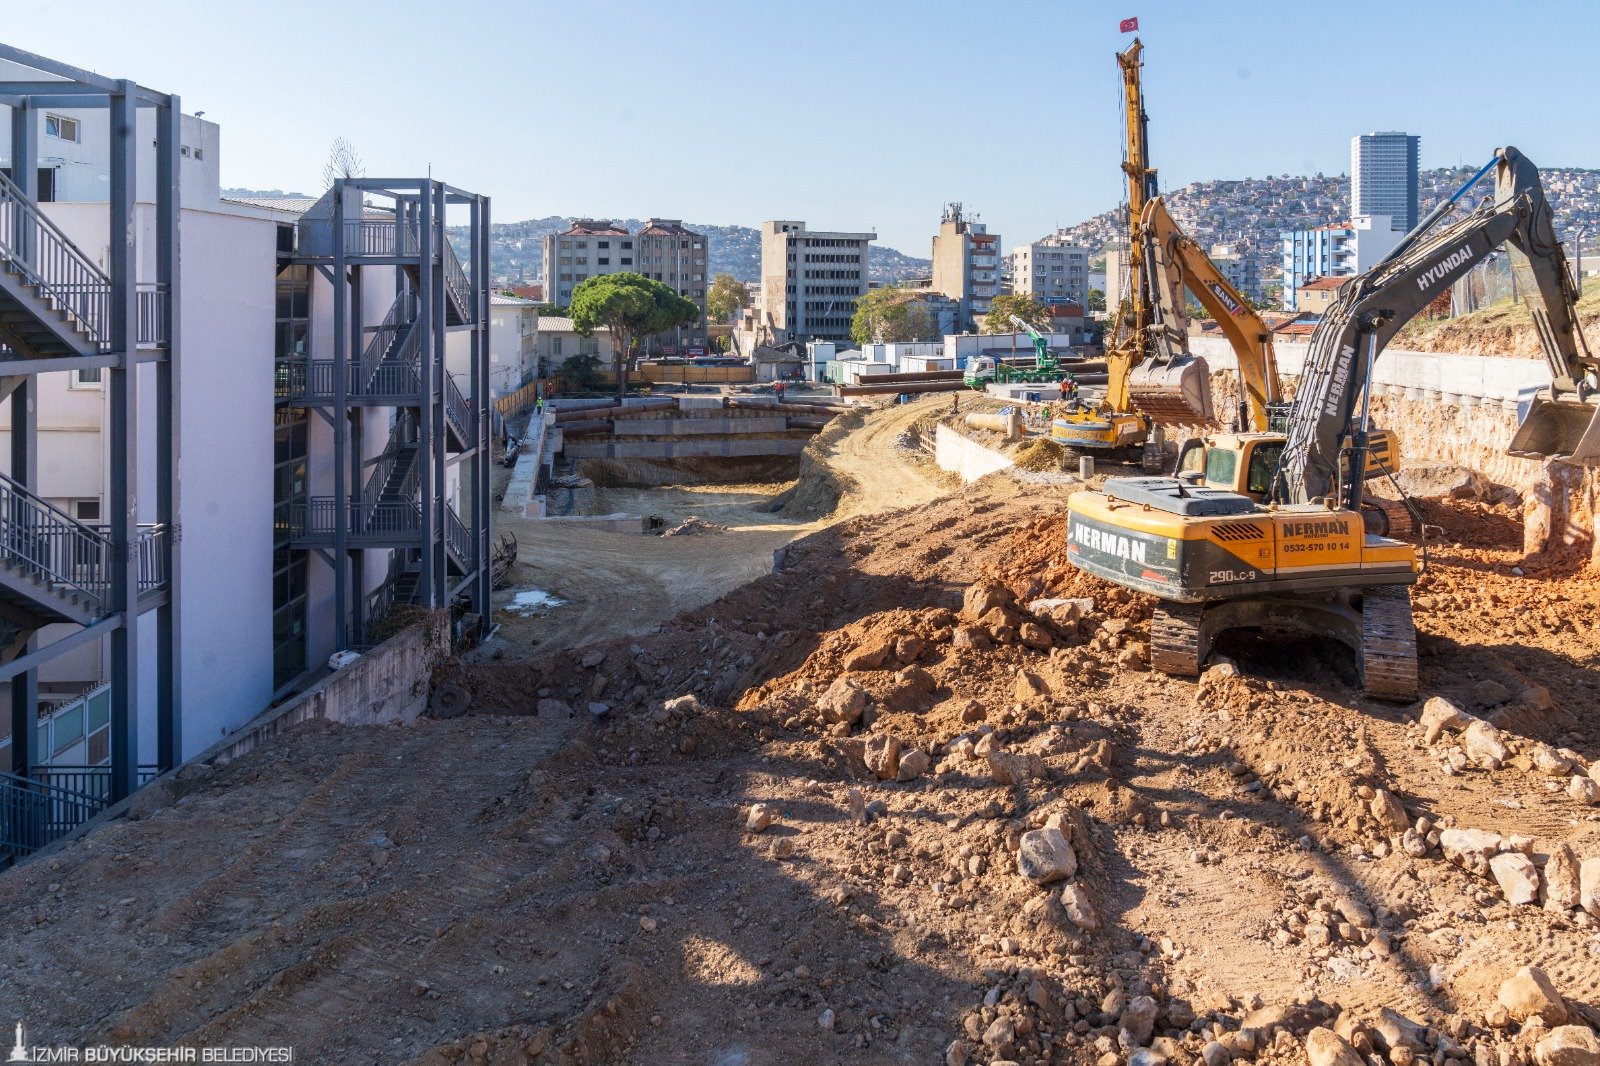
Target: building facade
<point>966,265</point>
<point>663,250</point>
<point>1338,250</point>
<point>810,281</point>
<point>1241,267</point>
<point>513,343</point>
<point>1051,270</point>
<point>1383,177</point>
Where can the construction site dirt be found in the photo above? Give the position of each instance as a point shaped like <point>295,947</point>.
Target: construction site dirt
<point>879,805</point>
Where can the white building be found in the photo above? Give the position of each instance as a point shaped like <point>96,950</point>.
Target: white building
<point>513,343</point>
<point>1241,268</point>
<point>1339,250</point>
<point>1050,270</point>
<point>557,340</point>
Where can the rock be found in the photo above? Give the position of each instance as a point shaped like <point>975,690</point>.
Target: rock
<point>1443,479</point>
<point>843,701</point>
<point>1529,993</point>
<point>1324,1047</point>
<point>909,649</point>
<point>1354,911</point>
<point>1001,1036</point>
<point>1469,849</point>
<point>1561,877</point>
<point>913,764</point>
<point>1043,856</point>
<point>883,756</point>
<point>1414,844</point>
<point>158,794</point>
<point>1589,886</point>
<point>761,816</point>
<point>1390,1029</point>
<point>956,1054</point>
<point>1517,877</point>
<point>1568,1045</point>
<point>1008,769</point>
<point>1594,770</point>
<point>970,638</point>
<point>1484,745</point>
<point>1075,901</point>
<point>1585,790</point>
<point>871,655</point>
<point>1034,636</point>
<point>915,681</point>
<point>1143,1056</point>
<point>593,659</point>
<point>1214,1054</point>
<point>985,596</point>
<point>1490,693</point>
<point>599,710</point>
<point>1550,762</point>
<point>1389,811</point>
<point>1139,1019</point>
<point>1029,687</point>
<point>684,706</point>
<point>825,1020</point>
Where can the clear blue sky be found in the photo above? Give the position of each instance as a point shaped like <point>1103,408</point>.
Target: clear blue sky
<point>868,113</point>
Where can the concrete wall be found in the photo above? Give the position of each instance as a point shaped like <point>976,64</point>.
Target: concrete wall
<point>388,684</point>
<point>965,457</point>
<point>682,449</point>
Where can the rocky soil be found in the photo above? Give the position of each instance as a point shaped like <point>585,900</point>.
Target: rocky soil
<point>913,798</point>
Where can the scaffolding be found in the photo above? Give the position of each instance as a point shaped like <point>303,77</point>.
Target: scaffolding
<point>61,311</point>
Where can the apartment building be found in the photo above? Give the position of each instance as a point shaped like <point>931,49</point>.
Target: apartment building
<point>663,250</point>
<point>966,265</point>
<point>810,281</point>
<point>1051,270</point>
<point>1383,177</point>
<point>513,343</point>
<point>1240,266</point>
<point>1336,250</point>
<point>319,455</point>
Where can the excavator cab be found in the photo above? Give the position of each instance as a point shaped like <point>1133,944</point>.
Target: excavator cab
<point>1559,429</point>
<point>1242,463</point>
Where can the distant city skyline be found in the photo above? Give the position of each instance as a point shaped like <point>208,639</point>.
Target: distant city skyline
<point>887,131</point>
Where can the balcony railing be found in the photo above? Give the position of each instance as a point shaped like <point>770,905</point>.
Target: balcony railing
<point>381,519</point>
<point>458,539</point>
<point>457,410</point>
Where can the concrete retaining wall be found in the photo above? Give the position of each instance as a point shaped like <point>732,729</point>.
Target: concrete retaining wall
<point>683,427</point>
<point>578,448</point>
<point>388,684</point>
<point>967,458</point>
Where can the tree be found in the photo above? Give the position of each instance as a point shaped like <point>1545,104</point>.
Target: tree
<point>1097,300</point>
<point>1001,308</point>
<point>579,373</point>
<point>725,297</point>
<point>630,306</point>
<point>891,314</point>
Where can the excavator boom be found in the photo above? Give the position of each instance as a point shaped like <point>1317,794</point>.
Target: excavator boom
<point>1371,308</point>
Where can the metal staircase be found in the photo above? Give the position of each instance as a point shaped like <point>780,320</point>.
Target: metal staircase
<point>54,300</point>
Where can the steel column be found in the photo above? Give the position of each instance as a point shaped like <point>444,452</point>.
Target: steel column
<point>169,207</point>
<point>25,470</point>
<point>483,586</point>
<point>124,418</point>
<point>341,424</point>
<point>427,441</point>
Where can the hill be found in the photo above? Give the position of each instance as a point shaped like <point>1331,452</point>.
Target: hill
<point>1253,211</point>
<point>515,250</point>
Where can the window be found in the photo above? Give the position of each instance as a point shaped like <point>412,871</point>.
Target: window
<point>86,510</point>
<point>603,261</point>
<point>555,347</point>
<point>86,379</point>
<point>625,261</point>
<point>1220,465</point>
<point>1263,462</point>
<point>60,126</point>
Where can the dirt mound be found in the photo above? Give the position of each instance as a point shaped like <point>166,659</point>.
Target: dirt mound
<point>818,487</point>
<point>694,526</point>
<point>1504,329</point>
<point>1040,454</point>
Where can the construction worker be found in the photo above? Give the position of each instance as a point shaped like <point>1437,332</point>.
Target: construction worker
<point>1069,390</point>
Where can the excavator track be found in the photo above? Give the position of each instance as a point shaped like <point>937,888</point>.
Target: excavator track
<point>1175,639</point>
<point>1388,645</point>
<point>1396,521</point>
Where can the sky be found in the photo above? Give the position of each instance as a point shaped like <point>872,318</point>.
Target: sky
<point>866,114</point>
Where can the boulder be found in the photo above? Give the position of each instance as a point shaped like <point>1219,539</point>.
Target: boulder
<point>913,764</point>
<point>1009,769</point>
<point>1081,912</point>
<point>971,638</point>
<point>1439,714</point>
<point>1584,790</point>
<point>1443,479</point>
<point>1139,1019</point>
<point>1528,993</point>
<point>1044,855</point>
<point>1484,745</point>
<point>1561,878</point>
<point>1490,693</point>
<point>1517,877</point>
<point>553,708</point>
<point>1568,1045</point>
<point>683,706</point>
<point>1324,1047</point>
<point>1390,1029</point>
<point>1550,762</point>
<point>908,649</point>
<point>843,701</point>
<point>985,596</point>
<point>1470,849</point>
<point>882,755</point>
<point>1389,811</point>
<point>870,655</point>
<point>1589,886</point>
<point>1034,636</point>
<point>1029,687</point>
<point>760,816</point>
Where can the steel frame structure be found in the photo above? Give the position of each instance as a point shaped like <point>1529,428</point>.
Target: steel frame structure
<point>140,565</point>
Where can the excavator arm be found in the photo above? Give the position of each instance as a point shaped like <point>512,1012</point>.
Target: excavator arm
<point>1372,307</point>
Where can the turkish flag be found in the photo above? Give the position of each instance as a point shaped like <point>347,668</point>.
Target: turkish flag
<point>1129,26</point>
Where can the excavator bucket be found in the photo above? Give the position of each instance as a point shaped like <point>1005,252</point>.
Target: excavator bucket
<point>1560,429</point>
<point>1174,392</point>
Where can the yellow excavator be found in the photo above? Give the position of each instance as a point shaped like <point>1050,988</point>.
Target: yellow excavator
<point>1118,426</point>
<point>1240,460</point>
<point>1300,557</point>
